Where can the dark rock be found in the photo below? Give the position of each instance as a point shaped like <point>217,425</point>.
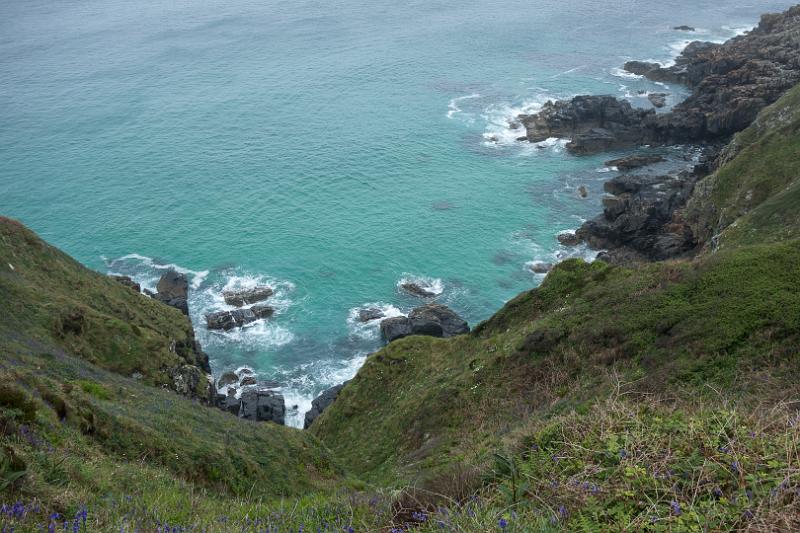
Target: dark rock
<point>396,328</point>
<point>128,282</point>
<point>434,320</point>
<point>322,402</point>
<point>173,285</point>
<point>247,296</point>
<point>367,315</point>
<point>568,238</point>
<point>228,378</point>
<point>228,320</point>
<point>640,217</point>
<point>263,405</point>
<point>248,381</point>
<point>148,292</point>
<point>540,267</point>
<point>228,402</point>
<point>583,192</point>
<point>244,371</point>
<point>178,303</point>
<point>683,28</point>
<point>658,100</point>
<point>731,83</point>
<point>631,162</point>
<point>417,290</point>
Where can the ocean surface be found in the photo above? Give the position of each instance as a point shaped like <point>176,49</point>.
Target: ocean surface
<point>329,149</point>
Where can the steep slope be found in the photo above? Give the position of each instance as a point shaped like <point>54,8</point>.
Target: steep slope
<point>91,418</point>
<point>616,397</point>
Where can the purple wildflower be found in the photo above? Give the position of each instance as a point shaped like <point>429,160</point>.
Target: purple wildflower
<point>503,523</point>
<point>675,507</point>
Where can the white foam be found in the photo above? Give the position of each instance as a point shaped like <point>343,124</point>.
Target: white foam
<point>452,107</point>
<point>622,73</point>
<point>502,120</point>
<point>370,330</point>
<point>604,170</point>
<point>432,285</point>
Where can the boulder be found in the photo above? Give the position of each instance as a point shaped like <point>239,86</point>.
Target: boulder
<point>583,192</point>
<point>227,320</point>
<point>434,320</point>
<point>248,381</point>
<point>631,162</point>
<point>322,402</point>
<point>228,378</point>
<point>173,284</point>
<point>247,296</point>
<point>263,405</point>
<point>417,290</point>
<point>370,314</point>
<point>683,28</point>
<point>658,100</point>
<point>128,282</point>
<point>568,238</point>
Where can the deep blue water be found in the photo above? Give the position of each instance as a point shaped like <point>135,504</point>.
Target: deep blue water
<point>328,148</point>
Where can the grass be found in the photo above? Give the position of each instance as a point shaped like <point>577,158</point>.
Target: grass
<point>657,398</point>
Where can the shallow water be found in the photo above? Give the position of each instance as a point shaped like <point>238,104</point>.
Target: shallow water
<point>330,149</point>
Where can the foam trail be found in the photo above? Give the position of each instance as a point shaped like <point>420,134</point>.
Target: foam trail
<point>432,285</point>
<point>453,108</point>
<point>370,330</point>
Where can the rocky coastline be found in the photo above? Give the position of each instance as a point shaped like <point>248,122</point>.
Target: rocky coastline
<point>642,218</point>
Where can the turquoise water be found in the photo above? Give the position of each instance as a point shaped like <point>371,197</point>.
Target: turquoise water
<point>328,148</point>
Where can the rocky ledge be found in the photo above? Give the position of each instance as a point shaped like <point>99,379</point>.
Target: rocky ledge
<point>434,320</point>
<point>731,83</point>
<point>242,394</point>
<point>322,402</point>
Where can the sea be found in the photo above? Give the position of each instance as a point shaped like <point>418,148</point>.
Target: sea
<point>332,150</point>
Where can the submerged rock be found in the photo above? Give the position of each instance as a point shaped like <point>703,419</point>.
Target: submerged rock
<point>434,320</point>
<point>227,320</point>
<point>683,28</point>
<point>583,192</point>
<point>658,100</point>
<point>417,290</point>
<point>247,296</point>
<point>322,402</point>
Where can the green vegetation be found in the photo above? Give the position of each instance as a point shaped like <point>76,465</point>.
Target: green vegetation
<point>655,398</point>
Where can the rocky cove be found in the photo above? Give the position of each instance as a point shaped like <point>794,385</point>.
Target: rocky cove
<point>643,215</point>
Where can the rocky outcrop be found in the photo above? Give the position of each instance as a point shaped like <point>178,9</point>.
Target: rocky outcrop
<point>631,162</point>
<point>247,296</point>
<point>540,267</point>
<point>322,402</point>
<point>638,219</point>
<point>593,123</point>
<point>434,320</point>
<point>241,394</point>
<point>658,100</point>
<point>731,83</point>
<point>263,406</point>
<point>227,320</point>
<point>173,290</point>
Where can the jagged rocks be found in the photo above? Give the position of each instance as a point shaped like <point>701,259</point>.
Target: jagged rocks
<point>568,238</point>
<point>247,296</point>
<point>322,402</point>
<point>433,320</point>
<point>128,282</point>
<point>631,162</point>
<point>683,28</point>
<point>227,320</point>
<point>639,218</point>
<point>241,394</point>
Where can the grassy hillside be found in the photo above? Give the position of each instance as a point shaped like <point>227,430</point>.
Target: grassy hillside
<point>655,398</point>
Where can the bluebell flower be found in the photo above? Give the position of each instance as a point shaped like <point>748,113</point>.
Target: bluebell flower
<point>675,507</point>
<point>503,523</point>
